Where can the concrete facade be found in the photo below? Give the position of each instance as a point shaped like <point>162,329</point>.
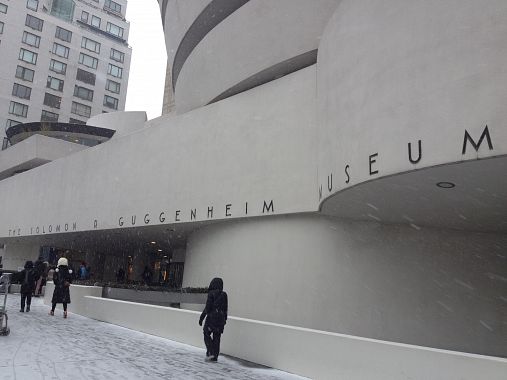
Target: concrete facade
<point>359,190</point>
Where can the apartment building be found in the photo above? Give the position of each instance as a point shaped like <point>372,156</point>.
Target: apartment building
<point>62,60</point>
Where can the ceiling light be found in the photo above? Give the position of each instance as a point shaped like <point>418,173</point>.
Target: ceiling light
<point>153,242</point>
<point>446,185</point>
<point>159,250</point>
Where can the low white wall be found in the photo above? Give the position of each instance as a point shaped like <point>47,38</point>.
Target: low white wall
<point>312,353</point>
<point>77,293</point>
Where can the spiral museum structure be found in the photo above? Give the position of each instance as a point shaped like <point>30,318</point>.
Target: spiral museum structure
<point>340,164</point>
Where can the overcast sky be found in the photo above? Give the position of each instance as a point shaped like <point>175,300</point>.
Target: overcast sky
<point>147,69</point>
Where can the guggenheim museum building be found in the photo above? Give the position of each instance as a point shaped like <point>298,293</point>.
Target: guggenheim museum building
<point>341,164</point>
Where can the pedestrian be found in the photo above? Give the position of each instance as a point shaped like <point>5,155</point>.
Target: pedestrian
<point>83,273</point>
<point>147,275</point>
<point>28,280</point>
<point>215,313</point>
<point>62,278</point>
<point>41,269</point>
<point>120,275</point>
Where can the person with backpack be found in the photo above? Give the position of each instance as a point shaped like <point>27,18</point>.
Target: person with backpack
<point>215,313</point>
<point>62,279</point>
<point>28,279</point>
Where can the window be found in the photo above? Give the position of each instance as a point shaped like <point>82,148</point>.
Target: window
<point>55,84</point>
<point>63,34</point>
<point>24,73</point>
<point>113,86</point>
<point>85,76</point>
<point>81,109</point>
<point>21,91</point>
<point>32,4</point>
<point>83,93</point>
<point>115,71</point>
<point>110,102</point>
<point>28,56</point>
<point>3,8</point>
<point>63,9</point>
<point>57,66</point>
<point>117,55</point>
<point>114,29</point>
<point>52,100</point>
<point>76,121</point>
<point>88,61</point>
<point>34,22</point>
<point>96,21</point>
<point>112,6</point>
<point>90,45</point>
<point>1,27</point>
<point>11,123</point>
<point>31,39</point>
<point>84,16</point>
<point>18,109</point>
<point>60,50</point>
<point>48,116</point>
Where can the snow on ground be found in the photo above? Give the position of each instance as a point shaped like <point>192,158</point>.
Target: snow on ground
<point>44,347</point>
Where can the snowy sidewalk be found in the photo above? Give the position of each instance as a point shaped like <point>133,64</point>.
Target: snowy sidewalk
<point>45,347</point>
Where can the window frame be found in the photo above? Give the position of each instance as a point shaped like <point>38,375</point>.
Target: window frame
<point>92,21</point>
<point>110,70</point>
<point>83,56</point>
<point>81,75</point>
<point>116,85</point>
<point>58,100</point>
<point>76,105</point>
<point>28,2</point>
<point>12,108</point>
<point>52,66</point>
<point>58,34</point>
<point>115,102</point>
<point>79,90</point>
<point>120,29</point>
<point>40,23</point>
<point>24,39</point>
<point>49,120</point>
<point>114,58</point>
<point>26,91</point>
<point>24,70</point>
<point>86,42</point>
<point>60,83</point>
<point>21,56</point>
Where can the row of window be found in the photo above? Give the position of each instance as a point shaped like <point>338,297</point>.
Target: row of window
<point>30,57</point>
<point>54,101</point>
<point>45,116</point>
<point>95,21</point>
<point>21,110</point>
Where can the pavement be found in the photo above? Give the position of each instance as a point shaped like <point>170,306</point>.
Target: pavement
<point>51,347</point>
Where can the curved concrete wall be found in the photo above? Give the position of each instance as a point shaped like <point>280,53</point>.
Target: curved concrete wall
<point>177,19</point>
<point>427,287</point>
<point>394,72</point>
<point>265,33</point>
<point>221,157</point>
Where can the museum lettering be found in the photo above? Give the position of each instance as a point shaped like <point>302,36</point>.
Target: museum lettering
<point>414,156</point>
<point>179,215</point>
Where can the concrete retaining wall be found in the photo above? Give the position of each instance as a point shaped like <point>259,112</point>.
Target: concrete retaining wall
<point>312,353</point>
<point>77,294</point>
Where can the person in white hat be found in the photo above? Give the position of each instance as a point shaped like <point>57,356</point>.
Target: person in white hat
<point>62,279</point>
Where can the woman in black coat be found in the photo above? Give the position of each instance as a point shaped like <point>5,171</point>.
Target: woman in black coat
<point>215,313</point>
<point>62,279</point>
